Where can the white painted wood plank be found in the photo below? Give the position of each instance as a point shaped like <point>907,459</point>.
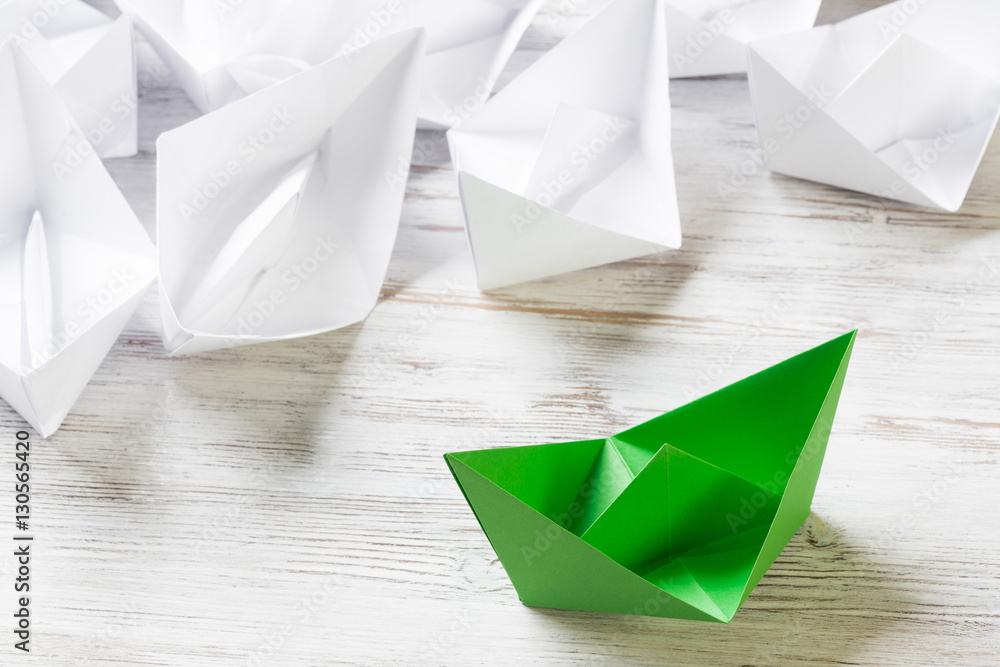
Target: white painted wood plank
<point>190,508</point>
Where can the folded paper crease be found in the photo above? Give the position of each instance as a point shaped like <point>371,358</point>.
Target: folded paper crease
<point>897,102</point>
<point>276,219</point>
<point>222,52</point>
<point>75,261</point>
<point>570,166</point>
<point>710,37</point>
<point>678,517</point>
<point>89,58</point>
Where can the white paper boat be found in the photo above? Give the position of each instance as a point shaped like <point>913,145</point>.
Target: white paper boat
<point>74,260</point>
<point>899,102</point>
<point>570,165</point>
<point>276,214</point>
<point>222,51</point>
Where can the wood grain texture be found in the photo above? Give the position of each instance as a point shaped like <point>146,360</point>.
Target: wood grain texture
<point>196,511</point>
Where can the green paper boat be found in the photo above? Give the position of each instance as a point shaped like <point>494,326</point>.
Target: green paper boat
<point>679,517</point>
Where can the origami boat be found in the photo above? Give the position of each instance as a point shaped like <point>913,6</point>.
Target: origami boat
<point>679,517</point>
<point>75,261</point>
<point>900,102</point>
<point>274,218</point>
<point>222,51</point>
<point>570,166</point>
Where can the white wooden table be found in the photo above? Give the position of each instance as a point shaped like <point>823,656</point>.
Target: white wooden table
<point>200,511</point>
